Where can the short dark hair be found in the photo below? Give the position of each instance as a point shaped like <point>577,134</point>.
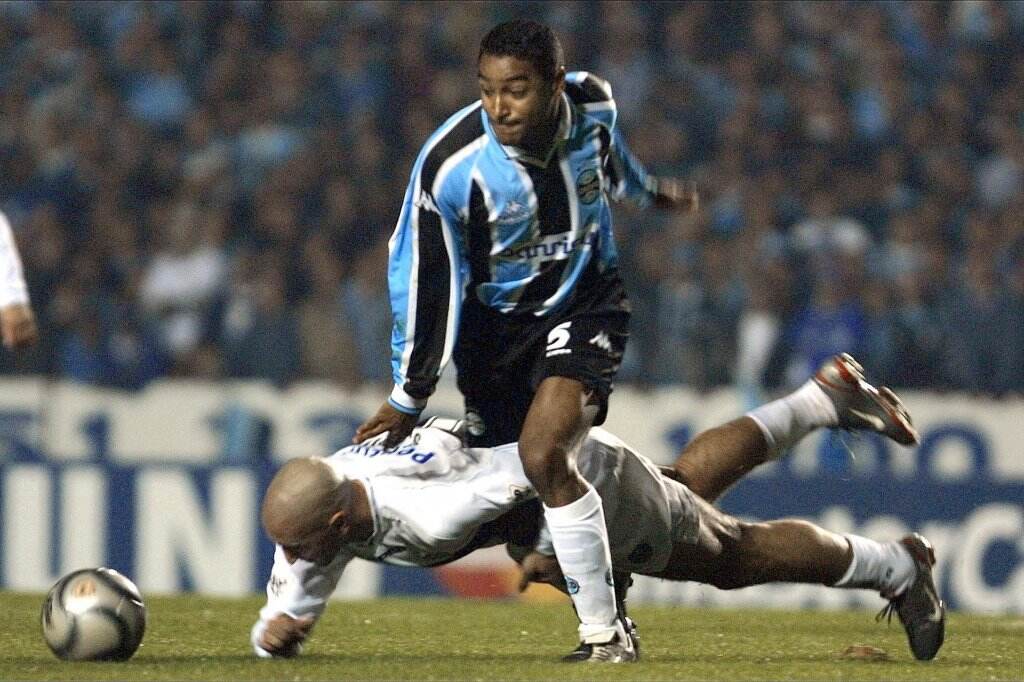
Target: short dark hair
<point>527,40</point>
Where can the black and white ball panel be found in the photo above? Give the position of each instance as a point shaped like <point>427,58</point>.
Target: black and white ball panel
<point>94,614</point>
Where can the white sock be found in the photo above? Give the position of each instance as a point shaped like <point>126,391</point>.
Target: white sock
<point>886,567</point>
<point>786,420</point>
<point>580,540</point>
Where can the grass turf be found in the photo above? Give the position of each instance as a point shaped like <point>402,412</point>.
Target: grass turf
<point>199,638</point>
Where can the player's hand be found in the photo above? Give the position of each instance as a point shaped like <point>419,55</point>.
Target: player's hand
<point>679,195</point>
<point>398,425</point>
<point>283,635</point>
<point>540,568</point>
<point>18,326</point>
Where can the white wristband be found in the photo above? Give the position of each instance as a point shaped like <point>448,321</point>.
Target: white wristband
<point>405,402</point>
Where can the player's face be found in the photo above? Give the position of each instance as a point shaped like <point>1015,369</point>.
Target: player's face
<point>319,547</point>
<point>520,104</point>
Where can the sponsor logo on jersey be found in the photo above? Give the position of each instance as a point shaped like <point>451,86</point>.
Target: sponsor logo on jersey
<point>374,449</point>
<point>571,585</point>
<point>588,185</point>
<point>558,338</point>
<point>84,588</point>
<point>277,584</point>
<point>518,492</point>
<point>513,213</point>
<point>551,247</point>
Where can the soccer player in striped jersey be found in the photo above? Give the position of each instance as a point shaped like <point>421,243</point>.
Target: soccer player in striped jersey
<point>504,257</point>
<point>17,321</point>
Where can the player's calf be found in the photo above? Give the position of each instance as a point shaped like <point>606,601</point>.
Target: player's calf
<point>713,461</point>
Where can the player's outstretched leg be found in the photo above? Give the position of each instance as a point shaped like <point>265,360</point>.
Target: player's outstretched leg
<point>837,396</point>
<point>729,553</point>
<point>719,456</point>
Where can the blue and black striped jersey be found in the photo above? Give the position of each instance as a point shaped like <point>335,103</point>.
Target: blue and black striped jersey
<point>486,220</point>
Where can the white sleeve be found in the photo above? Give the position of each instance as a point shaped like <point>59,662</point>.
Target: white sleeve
<point>298,590</point>
<point>12,281</point>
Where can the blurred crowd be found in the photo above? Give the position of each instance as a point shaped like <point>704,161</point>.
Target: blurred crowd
<point>206,189</point>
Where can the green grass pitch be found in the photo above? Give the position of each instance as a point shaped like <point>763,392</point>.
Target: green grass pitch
<point>199,638</point>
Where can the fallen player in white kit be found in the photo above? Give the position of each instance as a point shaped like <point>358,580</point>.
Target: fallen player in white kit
<point>432,500</point>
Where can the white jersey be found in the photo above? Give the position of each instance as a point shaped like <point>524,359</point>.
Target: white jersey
<point>431,497</point>
<point>12,280</point>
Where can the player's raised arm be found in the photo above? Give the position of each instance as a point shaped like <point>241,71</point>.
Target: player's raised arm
<point>630,180</point>
<point>426,263</point>
<point>17,321</point>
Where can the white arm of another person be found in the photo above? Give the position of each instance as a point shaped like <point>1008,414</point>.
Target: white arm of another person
<point>17,322</point>
<point>297,594</point>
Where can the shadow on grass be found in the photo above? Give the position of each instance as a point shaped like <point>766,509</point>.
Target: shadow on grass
<point>684,659</point>
<point>137,661</point>
<point>307,659</point>
<point>391,658</point>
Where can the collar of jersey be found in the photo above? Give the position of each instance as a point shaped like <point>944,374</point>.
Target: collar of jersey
<point>372,501</point>
<point>563,133</point>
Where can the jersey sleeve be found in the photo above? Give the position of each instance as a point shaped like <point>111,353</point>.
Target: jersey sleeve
<point>12,280</point>
<point>299,590</point>
<point>426,267</point>
<point>628,178</point>
<point>544,545</point>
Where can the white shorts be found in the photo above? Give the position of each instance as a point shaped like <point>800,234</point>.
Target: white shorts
<point>646,512</point>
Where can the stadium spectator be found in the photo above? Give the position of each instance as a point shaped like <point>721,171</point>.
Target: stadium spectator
<point>83,352</point>
<point>364,301</point>
<point>260,331</point>
<point>971,318</point>
<point>326,340</point>
<point>907,114</point>
<point>186,273</point>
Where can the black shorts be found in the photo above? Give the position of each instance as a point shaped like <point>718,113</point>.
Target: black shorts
<point>502,359</point>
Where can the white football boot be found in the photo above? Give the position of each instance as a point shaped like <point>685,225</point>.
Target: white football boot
<point>860,405</point>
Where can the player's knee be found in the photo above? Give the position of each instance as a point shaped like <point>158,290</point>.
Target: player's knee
<point>548,468</point>
<point>690,475</point>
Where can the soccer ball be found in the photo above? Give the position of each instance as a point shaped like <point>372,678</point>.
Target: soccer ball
<point>94,614</point>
